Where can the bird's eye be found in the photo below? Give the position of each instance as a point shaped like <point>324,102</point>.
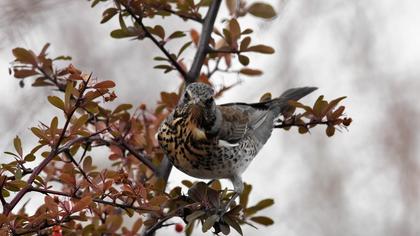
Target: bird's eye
<point>209,101</point>
<point>186,96</point>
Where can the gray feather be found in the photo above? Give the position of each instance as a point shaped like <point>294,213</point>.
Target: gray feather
<point>259,116</point>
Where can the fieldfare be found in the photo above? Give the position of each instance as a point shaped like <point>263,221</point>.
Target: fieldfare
<point>210,141</point>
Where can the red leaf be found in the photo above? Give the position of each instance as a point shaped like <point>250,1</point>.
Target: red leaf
<point>104,84</point>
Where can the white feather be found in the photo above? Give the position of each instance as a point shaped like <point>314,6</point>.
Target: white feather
<point>225,143</point>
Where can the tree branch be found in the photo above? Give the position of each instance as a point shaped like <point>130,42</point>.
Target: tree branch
<point>68,154</point>
<point>177,212</point>
<point>155,41</point>
<point>142,158</point>
<point>43,226</point>
<point>122,206</point>
<point>51,155</point>
<point>196,19</point>
<point>203,44</point>
<point>288,125</point>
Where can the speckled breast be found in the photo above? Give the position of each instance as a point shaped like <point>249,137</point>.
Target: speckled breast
<point>203,158</point>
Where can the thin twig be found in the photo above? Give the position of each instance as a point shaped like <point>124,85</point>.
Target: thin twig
<point>156,42</point>
<point>68,154</point>
<point>44,226</point>
<point>3,201</point>
<point>196,19</point>
<point>225,51</point>
<point>177,212</point>
<point>286,125</point>
<point>142,158</point>
<point>61,87</point>
<point>123,206</point>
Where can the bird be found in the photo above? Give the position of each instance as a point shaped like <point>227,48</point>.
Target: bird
<point>209,141</point>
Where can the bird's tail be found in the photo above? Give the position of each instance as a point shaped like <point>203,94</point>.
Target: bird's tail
<point>280,104</point>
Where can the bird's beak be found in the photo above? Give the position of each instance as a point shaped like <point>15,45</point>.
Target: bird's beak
<point>197,102</point>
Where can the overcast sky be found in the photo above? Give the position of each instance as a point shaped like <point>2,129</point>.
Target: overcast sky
<point>360,182</point>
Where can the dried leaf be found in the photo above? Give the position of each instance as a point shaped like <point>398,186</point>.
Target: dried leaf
<point>196,214</point>
<point>231,6</point>
<point>136,226</point>
<point>158,31</point>
<point>245,43</point>
<point>122,107</point>
<point>29,157</point>
<point>261,49</point>
<point>195,36</point>
<point>39,133</point>
<point>243,198</point>
<point>82,203</point>
<point>262,10</point>
<point>67,95</point>
<point>51,204</point>
<point>24,56</point>
<point>80,122</point>
<point>23,73</point>
<point>232,222</point>
<point>158,200</point>
<point>56,101</point>
<point>209,222</point>
<point>330,130</point>
<point>104,84</point>
<point>332,105</point>
<point>123,33</point>
<point>235,29</point>
<point>108,14</point>
<point>87,164</point>
<point>250,72</point>
<point>18,145</point>
<point>113,223</point>
<point>244,60</point>
<point>177,34</point>
<point>263,220</point>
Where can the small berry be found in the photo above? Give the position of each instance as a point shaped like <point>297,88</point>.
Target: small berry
<point>179,228</point>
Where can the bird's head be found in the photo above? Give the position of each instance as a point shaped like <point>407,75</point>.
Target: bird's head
<point>198,102</point>
<point>199,95</point>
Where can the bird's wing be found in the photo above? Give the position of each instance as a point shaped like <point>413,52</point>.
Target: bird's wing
<point>239,119</point>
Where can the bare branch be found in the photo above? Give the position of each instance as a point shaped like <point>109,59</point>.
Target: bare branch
<point>203,44</point>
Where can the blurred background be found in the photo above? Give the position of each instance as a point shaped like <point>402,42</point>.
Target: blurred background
<point>359,182</point>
